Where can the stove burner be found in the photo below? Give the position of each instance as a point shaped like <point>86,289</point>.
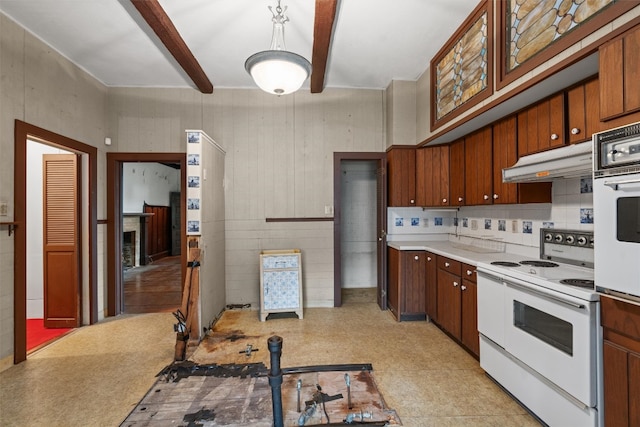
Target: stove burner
<point>506,263</point>
<point>581,283</point>
<point>539,263</point>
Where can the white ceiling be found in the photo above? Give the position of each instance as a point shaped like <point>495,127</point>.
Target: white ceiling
<point>374,41</point>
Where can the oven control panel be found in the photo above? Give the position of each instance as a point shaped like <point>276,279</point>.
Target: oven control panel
<point>568,238</point>
<point>617,151</point>
<point>569,246</point>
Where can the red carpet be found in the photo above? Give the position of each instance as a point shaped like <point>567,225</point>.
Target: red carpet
<point>37,334</point>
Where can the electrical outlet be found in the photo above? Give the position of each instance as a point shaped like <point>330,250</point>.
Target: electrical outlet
<point>4,209</point>
<point>514,226</point>
<point>474,224</point>
<point>328,210</point>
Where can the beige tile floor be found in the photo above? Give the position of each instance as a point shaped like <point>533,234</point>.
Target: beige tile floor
<point>96,375</point>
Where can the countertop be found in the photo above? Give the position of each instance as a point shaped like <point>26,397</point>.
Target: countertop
<point>468,254</point>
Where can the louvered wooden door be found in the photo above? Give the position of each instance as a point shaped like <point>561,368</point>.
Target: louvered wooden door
<point>61,237</point>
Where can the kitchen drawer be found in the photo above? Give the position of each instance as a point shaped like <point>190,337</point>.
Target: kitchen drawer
<point>469,272</point>
<point>450,265</point>
<point>620,316</point>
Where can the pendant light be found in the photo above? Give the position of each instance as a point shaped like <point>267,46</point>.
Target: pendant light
<point>278,71</point>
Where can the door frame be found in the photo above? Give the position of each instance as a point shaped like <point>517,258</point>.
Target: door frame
<point>22,132</point>
<point>381,201</point>
<point>115,160</point>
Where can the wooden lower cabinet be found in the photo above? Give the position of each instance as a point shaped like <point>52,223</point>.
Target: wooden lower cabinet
<point>431,287</point>
<point>621,362</point>
<point>469,290</point>
<point>457,296</point>
<point>406,284</point>
<point>449,303</point>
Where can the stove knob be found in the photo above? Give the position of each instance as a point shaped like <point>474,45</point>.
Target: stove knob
<point>548,237</point>
<point>570,239</point>
<point>558,238</point>
<point>582,240</point>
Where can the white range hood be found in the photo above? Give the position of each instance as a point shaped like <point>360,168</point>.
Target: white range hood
<point>567,162</point>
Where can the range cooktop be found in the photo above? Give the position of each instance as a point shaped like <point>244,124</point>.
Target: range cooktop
<point>565,265</point>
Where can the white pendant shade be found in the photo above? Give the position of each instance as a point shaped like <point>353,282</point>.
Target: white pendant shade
<point>278,71</point>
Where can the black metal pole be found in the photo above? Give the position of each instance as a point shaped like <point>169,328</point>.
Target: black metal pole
<point>275,379</point>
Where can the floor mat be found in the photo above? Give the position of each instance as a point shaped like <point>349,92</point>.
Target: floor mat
<point>189,394</point>
<point>37,334</point>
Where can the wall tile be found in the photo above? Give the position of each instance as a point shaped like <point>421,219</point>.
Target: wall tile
<point>563,212</point>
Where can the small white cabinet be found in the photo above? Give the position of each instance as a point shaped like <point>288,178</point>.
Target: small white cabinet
<point>280,282</point>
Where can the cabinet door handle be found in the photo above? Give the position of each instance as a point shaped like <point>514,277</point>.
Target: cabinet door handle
<point>444,200</point>
<point>469,272</point>
<point>486,197</point>
<point>455,283</point>
<point>446,264</point>
<point>554,136</point>
<point>460,199</point>
<point>495,197</point>
<point>416,257</point>
<point>463,287</point>
<point>428,258</point>
<point>575,131</point>
<point>412,201</point>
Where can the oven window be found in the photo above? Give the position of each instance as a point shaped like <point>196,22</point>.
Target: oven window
<point>550,329</point>
<point>628,218</point>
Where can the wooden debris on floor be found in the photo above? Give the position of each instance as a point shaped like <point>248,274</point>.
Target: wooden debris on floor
<point>186,314</point>
<point>233,399</point>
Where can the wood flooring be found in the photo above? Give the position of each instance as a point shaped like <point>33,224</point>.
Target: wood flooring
<point>153,288</point>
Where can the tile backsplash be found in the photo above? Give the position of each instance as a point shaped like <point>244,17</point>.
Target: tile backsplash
<point>571,208</point>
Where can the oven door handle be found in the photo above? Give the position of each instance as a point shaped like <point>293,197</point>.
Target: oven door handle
<point>533,290</point>
<point>614,184</point>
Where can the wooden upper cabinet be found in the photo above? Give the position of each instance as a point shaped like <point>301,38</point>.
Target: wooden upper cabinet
<point>423,179</point>
<point>583,106</point>
<point>478,167</point>
<point>401,176</point>
<point>456,173</point>
<point>432,176</point>
<point>620,75</point>
<point>541,126</point>
<point>505,154</point>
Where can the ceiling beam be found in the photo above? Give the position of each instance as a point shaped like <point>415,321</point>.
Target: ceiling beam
<point>160,23</point>
<point>322,32</point>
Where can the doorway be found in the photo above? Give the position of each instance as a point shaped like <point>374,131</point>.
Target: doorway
<point>53,287</point>
<point>359,224</point>
<point>86,286</point>
<point>151,237</point>
<point>116,209</point>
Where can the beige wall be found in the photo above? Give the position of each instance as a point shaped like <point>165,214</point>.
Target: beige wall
<point>279,164</point>
<point>42,88</point>
<point>279,160</point>
<point>401,113</point>
<point>212,240</point>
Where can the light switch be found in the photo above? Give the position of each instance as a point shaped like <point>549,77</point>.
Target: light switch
<point>4,209</point>
<point>514,226</point>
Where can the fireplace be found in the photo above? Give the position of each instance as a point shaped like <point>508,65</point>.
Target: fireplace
<point>128,249</point>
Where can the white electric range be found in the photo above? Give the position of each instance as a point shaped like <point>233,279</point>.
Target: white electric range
<point>540,334</point>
